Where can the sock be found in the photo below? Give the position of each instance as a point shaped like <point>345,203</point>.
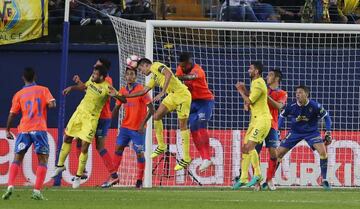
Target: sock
<point>82,163</point>
<point>185,136</point>
<point>254,158</point>
<point>105,156</point>
<point>40,176</point>
<point>159,128</point>
<point>140,168</point>
<point>271,169</point>
<point>14,169</point>
<point>117,159</point>
<point>323,167</point>
<point>205,143</point>
<point>197,142</point>
<point>245,163</point>
<point>65,149</point>
<point>78,148</point>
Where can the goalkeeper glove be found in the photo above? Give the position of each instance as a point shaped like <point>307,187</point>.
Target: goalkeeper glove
<point>327,138</point>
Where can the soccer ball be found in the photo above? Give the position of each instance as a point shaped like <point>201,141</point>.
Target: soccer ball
<point>132,61</point>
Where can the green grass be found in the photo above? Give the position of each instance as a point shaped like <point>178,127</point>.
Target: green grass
<point>178,198</point>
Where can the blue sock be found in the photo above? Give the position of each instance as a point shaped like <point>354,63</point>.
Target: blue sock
<point>323,167</point>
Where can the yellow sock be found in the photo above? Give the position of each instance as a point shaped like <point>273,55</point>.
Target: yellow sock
<point>185,136</point>
<point>82,163</point>
<point>65,149</point>
<point>159,128</point>
<point>255,162</point>
<point>245,163</point>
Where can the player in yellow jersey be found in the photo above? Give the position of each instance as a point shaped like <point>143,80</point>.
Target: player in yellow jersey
<point>83,122</point>
<point>178,98</point>
<point>259,127</point>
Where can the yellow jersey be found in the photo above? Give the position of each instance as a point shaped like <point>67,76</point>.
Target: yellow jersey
<point>348,7</point>
<point>95,98</point>
<point>258,96</point>
<point>158,79</point>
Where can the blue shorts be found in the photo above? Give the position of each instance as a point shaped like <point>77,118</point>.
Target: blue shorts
<point>103,127</point>
<point>200,113</point>
<point>293,138</point>
<point>271,140</point>
<point>125,135</point>
<point>39,138</point>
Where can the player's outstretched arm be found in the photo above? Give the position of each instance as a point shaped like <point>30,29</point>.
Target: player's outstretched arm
<point>115,111</point>
<point>275,104</point>
<point>8,124</point>
<point>187,77</point>
<point>114,94</point>
<point>150,112</point>
<point>139,93</point>
<point>80,86</point>
<point>168,76</point>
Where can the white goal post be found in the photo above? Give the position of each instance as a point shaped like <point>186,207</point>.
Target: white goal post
<point>326,57</point>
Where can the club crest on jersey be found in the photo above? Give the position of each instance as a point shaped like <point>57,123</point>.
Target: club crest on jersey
<point>9,15</point>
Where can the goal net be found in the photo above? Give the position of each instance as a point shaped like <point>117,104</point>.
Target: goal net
<point>324,57</point>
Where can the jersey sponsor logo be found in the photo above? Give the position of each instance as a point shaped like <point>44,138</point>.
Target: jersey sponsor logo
<point>302,118</point>
<point>93,87</point>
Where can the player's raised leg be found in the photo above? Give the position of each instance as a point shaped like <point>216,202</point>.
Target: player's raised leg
<point>159,129</point>
<point>185,137</point>
<point>82,163</point>
<point>64,152</point>
<point>101,133</point>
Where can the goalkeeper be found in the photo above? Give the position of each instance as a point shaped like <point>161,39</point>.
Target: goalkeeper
<point>305,115</point>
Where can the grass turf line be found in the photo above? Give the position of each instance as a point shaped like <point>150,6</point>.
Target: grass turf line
<point>178,198</point>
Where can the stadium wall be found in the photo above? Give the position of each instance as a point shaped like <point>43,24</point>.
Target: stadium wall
<point>45,59</point>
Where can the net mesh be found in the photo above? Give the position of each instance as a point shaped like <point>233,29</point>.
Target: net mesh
<point>327,62</point>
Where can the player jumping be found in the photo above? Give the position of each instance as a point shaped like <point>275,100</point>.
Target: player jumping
<point>201,105</point>
<point>84,121</point>
<point>103,126</point>
<point>259,127</point>
<point>305,115</point>
<point>32,101</point>
<point>178,98</point>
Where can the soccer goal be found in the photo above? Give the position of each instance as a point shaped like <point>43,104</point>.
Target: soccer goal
<point>325,57</point>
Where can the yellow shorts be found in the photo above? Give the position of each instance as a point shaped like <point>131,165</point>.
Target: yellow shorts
<point>258,130</point>
<point>179,101</point>
<point>82,125</point>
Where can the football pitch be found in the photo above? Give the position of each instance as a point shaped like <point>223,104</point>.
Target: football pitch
<point>180,198</point>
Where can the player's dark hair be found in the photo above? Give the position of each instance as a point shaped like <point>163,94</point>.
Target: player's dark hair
<point>258,66</point>
<point>29,74</point>
<point>277,73</point>
<point>305,88</point>
<point>102,70</point>
<point>105,62</point>
<point>185,57</point>
<point>133,69</point>
<point>144,61</point>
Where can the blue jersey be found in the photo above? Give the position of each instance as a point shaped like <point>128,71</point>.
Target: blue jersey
<point>304,119</point>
